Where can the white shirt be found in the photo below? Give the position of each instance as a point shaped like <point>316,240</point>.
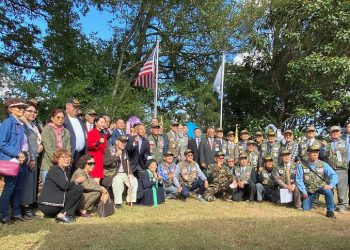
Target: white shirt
<point>79,133</point>
<point>89,126</point>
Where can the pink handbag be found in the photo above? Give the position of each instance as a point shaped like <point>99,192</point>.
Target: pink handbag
<point>9,168</point>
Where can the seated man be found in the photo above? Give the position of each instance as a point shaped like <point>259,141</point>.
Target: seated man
<point>244,186</point>
<point>266,186</point>
<point>230,164</point>
<point>167,171</point>
<point>316,177</point>
<point>219,180</point>
<point>189,177</point>
<point>285,177</point>
<point>119,173</point>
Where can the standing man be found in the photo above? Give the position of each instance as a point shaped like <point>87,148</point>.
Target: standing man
<point>230,149</point>
<point>290,145</point>
<point>241,147</point>
<point>271,147</point>
<point>193,144</point>
<point>183,140</point>
<point>307,141</point>
<point>189,177</point>
<point>173,140</point>
<point>156,143</point>
<point>253,154</point>
<point>336,154</point>
<point>76,130</point>
<point>208,148</point>
<point>138,150</point>
<point>258,138</point>
<point>119,130</point>
<point>346,137</point>
<point>90,117</point>
<point>316,177</point>
<point>220,137</point>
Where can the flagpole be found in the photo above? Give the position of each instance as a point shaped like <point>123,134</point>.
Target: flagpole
<point>222,87</point>
<point>156,82</point>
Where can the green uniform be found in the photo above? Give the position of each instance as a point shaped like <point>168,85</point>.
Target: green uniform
<point>156,144</point>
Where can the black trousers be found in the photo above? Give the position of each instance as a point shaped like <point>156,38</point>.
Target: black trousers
<point>247,192</point>
<point>72,201</point>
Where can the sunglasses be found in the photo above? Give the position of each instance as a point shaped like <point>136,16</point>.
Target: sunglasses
<point>31,111</point>
<point>20,107</point>
<point>190,155</point>
<point>222,158</point>
<point>91,163</point>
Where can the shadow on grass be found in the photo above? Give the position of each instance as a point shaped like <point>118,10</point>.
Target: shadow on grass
<point>248,233</point>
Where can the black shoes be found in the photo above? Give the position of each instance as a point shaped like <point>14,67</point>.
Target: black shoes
<point>330,214</point>
<point>7,221</point>
<point>65,219</point>
<point>17,218</point>
<point>118,206</point>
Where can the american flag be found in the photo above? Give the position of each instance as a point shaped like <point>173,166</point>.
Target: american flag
<point>147,75</point>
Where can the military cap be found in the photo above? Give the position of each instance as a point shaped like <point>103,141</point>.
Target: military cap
<point>258,133</point>
<point>288,131</point>
<point>219,130</point>
<point>18,105</point>
<point>334,128</point>
<point>244,131</point>
<point>243,155</point>
<point>310,128</point>
<point>155,126</point>
<point>174,123</point>
<point>313,148</point>
<point>251,142</point>
<point>271,133</point>
<point>268,158</point>
<point>122,138</point>
<point>187,151</point>
<point>168,154</point>
<point>285,152</point>
<point>91,112</point>
<point>230,133</point>
<point>220,153</point>
<point>73,101</point>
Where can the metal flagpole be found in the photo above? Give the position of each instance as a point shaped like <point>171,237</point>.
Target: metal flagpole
<point>156,88</point>
<point>222,87</point>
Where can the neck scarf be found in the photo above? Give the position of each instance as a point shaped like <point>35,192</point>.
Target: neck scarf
<point>154,189</point>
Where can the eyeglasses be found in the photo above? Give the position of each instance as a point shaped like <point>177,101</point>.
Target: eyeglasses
<point>92,163</point>
<point>31,111</point>
<point>66,157</point>
<point>189,155</point>
<point>222,158</point>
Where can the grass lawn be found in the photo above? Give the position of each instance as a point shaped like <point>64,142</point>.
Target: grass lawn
<point>191,224</point>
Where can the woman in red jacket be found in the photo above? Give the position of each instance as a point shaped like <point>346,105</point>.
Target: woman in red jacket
<point>97,143</point>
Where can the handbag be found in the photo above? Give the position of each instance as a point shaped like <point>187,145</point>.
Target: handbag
<point>105,209</point>
<point>9,168</point>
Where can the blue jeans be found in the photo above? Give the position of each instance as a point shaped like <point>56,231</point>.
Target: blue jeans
<point>43,177</point>
<point>328,194</point>
<point>197,183</point>
<point>12,194</point>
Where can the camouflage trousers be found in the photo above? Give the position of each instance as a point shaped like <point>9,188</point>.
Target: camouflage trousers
<point>217,191</point>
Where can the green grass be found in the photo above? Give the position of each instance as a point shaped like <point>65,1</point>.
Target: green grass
<point>191,225</point>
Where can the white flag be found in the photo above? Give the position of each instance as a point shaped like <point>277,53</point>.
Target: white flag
<point>218,81</point>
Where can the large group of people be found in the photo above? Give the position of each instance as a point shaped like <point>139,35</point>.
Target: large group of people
<point>71,163</point>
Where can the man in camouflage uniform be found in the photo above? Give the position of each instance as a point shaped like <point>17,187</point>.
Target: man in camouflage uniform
<point>156,143</point>
<point>230,149</point>
<point>336,154</point>
<point>266,186</point>
<point>285,176</point>
<point>244,184</point>
<point>219,180</point>
<point>316,177</point>
<point>308,140</point>
<point>253,154</point>
<point>271,147</point>
<point>189,177</point>
<point>173,140</point>
<point>167,171</point>
<point>242,144</point>
<point>290,145</point>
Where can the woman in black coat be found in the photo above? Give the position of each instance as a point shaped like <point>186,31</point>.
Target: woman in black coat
<point>60,197</point>
<point>150,189</point>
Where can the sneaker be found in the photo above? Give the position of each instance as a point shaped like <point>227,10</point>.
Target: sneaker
<point>200,198</point>
<point>330,214</point>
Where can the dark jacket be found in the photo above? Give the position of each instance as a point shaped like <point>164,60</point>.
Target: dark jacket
<point>55,187</point>
<point>192,144</point>
<point>68,125</point>
<point>112,162</point>
<point>207,154</point>
<point>138,158</point>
